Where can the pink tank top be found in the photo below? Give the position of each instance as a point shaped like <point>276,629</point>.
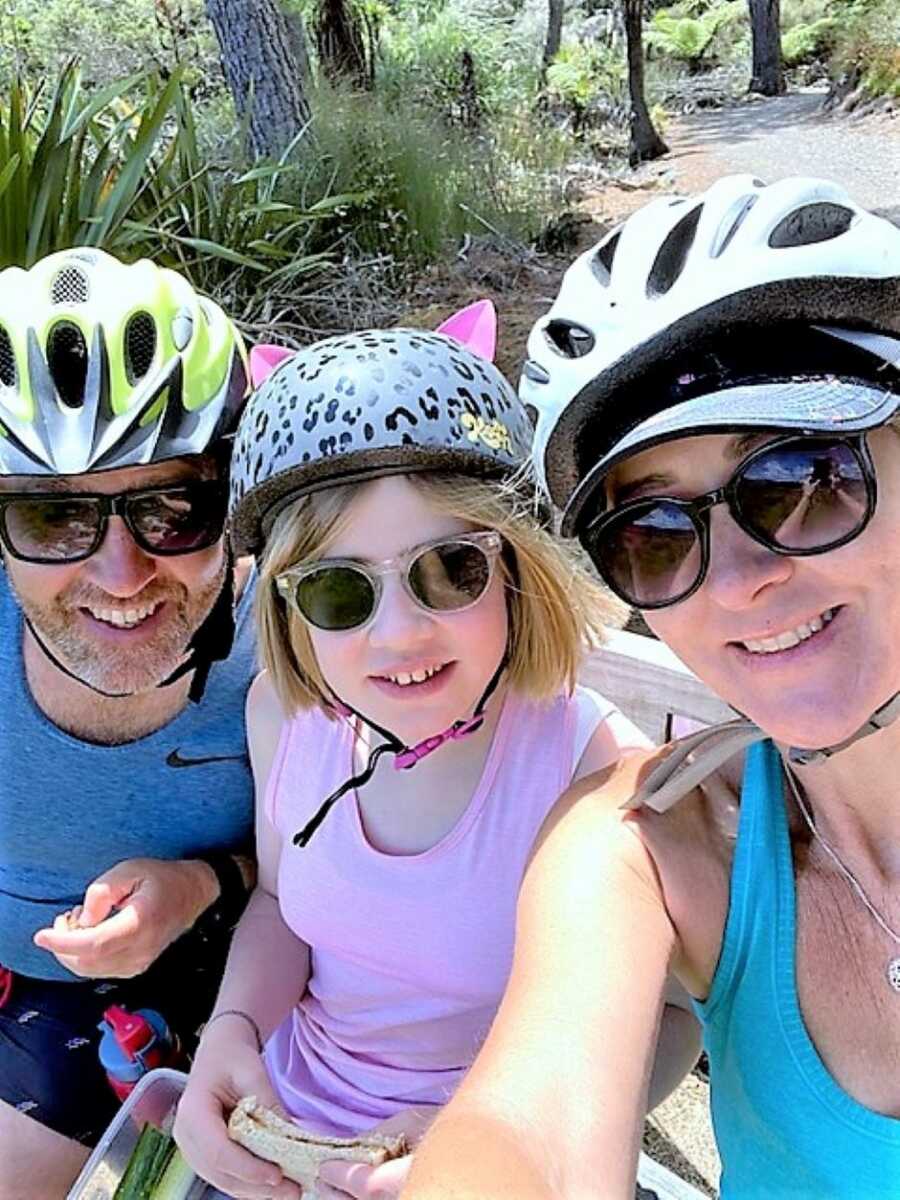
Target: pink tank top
<point>410,953</point>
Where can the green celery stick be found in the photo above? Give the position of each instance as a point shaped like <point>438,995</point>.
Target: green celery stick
<point>140,1164</point>
<point>176,1180</point>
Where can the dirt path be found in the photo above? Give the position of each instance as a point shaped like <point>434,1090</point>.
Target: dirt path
<point>790,135</point>
<point>787,135</point>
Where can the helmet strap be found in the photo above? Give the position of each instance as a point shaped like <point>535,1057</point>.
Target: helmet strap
<point>405,756</point>
<point>212,641</point>
<point>886,715</point>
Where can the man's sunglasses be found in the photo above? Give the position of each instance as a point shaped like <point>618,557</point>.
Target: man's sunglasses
<point>795,495</point>
<point>67,527</point>
<point>449,574</point>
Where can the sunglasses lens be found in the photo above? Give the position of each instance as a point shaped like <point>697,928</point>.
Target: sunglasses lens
<point>335,598</point>
<point>650,556</point>
<point>50,529</point>
<point>804,496</point>
<point>450,576</point>
<point>180,521</point>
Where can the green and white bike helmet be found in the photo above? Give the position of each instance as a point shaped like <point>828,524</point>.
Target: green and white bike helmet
<point>105,364</point>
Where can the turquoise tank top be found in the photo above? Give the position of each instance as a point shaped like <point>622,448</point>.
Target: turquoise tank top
<point>783,1125</point>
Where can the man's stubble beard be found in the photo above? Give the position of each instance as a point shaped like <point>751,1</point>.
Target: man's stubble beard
<point>123,671</point>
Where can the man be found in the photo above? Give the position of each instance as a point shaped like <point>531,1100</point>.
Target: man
<point>125,793</point>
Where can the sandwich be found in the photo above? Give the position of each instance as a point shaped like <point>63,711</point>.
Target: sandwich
<point>271,1135</point>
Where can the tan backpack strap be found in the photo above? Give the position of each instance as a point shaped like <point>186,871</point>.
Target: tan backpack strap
<point>691,760</point>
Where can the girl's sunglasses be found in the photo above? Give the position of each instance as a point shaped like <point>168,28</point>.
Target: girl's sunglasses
<point>449,574</point>
<point>67,527</point>
<point>795,496</point>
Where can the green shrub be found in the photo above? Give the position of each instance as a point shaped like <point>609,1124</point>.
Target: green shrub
<point>422,47</point>
<point>123,169</point>
<point>110,38</point>
<point>806,43</point>
<point>249,237</point>
<point>419,183</point>
<point>582,72</point>
<point>690,37</point>
<point>73,165</point>
<point>867,44</point>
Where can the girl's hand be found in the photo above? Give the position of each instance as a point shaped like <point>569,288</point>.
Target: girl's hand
<point>227,1067</point>
<point>338,1180</point>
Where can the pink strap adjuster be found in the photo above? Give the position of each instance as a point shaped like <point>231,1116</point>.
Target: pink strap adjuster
<point>408,758</point>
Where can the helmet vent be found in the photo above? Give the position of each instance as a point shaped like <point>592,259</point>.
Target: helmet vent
<point>7,360</point>
<point>568,339</point>
<point>67,359</point>
<point>602,259</point>
<point>69,287</point>
<point>726,234</point>
<point>809,224</point>
<point>672,255</point>
<point>140,346</point>
<point>535,372</point>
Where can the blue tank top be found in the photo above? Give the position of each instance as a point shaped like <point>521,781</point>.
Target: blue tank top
<point>783,1125</point>
<point>69,810</point>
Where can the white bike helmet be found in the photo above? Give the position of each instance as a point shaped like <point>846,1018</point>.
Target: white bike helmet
<point>681,301</point>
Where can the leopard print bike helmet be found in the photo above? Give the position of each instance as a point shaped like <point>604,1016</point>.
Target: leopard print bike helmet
<point>364,405</point>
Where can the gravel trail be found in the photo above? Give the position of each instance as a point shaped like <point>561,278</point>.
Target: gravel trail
<point>789,135</point>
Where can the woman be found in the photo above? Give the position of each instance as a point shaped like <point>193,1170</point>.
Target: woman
<point>723,375</point>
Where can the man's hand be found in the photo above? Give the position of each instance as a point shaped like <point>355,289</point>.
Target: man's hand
<point>339,1180</point>
<point>130,914</point>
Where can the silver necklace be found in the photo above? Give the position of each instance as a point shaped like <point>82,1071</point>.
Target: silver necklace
<point>892,969</point>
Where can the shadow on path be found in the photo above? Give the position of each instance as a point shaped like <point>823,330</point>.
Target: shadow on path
<point>785,136</point>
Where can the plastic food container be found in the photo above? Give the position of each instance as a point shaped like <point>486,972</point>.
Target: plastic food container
<point>154,1099</point>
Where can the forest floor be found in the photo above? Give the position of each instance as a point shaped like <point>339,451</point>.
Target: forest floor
<point>771,139</point>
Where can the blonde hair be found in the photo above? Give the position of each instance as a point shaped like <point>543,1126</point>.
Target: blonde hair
<point>557,609</point>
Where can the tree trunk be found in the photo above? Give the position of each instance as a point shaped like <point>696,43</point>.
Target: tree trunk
<point>261,70</point>
<point>765,27</point>
<point>645,143</point>
<point>554,34</point>
<point>345,42</point>
<point>299,44</point>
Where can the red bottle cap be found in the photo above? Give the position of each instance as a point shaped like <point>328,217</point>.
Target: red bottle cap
<point>131,1031</point>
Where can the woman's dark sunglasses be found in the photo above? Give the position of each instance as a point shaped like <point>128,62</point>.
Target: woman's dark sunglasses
<point>795,495</point>
<point>449,574</point>
<point>67,527</point>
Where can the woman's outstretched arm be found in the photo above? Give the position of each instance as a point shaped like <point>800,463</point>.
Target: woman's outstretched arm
<point>554,1104</point>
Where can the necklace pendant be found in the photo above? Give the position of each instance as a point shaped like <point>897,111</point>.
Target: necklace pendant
<point>893,973</point>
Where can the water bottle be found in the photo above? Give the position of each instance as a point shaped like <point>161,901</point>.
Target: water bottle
<point>134,1043</point>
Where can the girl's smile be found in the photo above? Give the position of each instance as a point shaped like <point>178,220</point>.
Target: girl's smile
<point>410,670</point>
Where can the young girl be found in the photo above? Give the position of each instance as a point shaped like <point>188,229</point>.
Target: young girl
<point>411,604</point>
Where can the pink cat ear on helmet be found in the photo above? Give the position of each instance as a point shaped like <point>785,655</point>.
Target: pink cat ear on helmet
<point>475,326</point>
<point>264,359</point>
